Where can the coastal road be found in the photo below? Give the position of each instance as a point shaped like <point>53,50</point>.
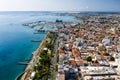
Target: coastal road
<point>54,59</point>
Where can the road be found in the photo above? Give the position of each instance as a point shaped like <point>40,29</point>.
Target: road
<point>54,60</point>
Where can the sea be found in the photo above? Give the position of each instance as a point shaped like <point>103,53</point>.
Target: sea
<point>15,39</point>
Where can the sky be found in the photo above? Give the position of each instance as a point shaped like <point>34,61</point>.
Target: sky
<point>59,5</point>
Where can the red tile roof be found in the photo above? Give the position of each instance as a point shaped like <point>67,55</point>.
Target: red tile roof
<point>73,62</point>
<point>80,62</point>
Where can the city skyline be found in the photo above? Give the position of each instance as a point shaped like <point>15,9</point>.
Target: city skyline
<point>60,5</point>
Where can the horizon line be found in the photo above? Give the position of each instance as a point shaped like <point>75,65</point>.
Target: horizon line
<point>52,11</point>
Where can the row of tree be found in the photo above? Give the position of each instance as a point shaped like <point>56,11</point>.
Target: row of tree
<point>43,65</point>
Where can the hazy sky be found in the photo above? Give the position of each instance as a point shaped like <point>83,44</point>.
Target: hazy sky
<point>59,5</point>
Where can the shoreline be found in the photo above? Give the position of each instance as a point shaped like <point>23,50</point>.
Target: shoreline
<point>35,53</point>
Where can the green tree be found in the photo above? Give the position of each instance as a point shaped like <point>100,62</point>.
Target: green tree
<point>112,58</point>
<point>89,58</point>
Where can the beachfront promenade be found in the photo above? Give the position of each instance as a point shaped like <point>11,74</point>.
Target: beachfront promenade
<point>28,71</point>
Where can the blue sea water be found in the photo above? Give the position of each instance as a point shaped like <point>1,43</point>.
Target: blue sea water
<point>15,39</point>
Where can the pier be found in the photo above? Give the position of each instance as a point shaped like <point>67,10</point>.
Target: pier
<point>23,63</point>
<point>43,31</point>
<point>36,40</point>
<point>39,32</point>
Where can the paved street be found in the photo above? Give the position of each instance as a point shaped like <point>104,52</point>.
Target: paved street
<point>54,60</point>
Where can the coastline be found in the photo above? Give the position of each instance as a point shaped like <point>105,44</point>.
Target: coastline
<point>35,53</point>
<point>13,52</point>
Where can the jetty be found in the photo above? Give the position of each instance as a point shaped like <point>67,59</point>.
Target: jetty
<point>43,31</point>
<point>23,63</point>
<point>36,40</point>
<point>39,32</point>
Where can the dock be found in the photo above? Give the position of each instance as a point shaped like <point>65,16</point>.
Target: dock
<point>43,31</point>
<point>23,63</point>
<point>39,32</point>
<point>36,40</point>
